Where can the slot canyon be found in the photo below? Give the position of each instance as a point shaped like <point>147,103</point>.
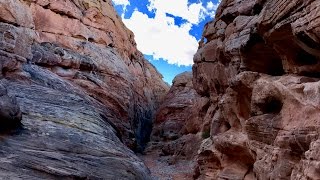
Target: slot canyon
<point>78,100</point>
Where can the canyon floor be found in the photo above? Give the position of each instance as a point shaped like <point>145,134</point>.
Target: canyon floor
<point>162,169</point>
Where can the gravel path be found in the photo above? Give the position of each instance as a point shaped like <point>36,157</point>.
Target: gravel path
<point>162,169</point>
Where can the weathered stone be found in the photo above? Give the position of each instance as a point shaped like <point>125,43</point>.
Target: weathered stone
<point>16,12</point>
<point>258,61</point>
<point>84,90</point>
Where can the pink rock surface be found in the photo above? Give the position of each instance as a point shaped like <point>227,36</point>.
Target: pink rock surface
<point>259,67</point>
<point>84,90</point>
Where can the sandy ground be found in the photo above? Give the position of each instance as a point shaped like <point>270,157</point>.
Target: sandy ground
<point>162,169</point>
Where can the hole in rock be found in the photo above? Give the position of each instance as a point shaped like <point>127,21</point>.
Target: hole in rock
<point>304,58</point>
<point>15,128</point>
<point>90,39</point>
<point>228,18</point>
<point>271,105</point>
<point>257,9</point>
<point>226,126</point>
<point>260,57</point>
<point>46,6</point>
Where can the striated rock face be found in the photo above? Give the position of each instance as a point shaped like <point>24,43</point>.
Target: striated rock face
<point>258,63</point>
<point>82,87</point>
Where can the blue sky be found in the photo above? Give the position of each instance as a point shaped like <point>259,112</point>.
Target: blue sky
<point>167,31</point>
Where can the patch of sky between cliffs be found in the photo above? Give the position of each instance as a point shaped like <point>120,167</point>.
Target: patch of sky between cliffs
<point>168,71</point>
<point>140,5</point>
<point>196,30</point>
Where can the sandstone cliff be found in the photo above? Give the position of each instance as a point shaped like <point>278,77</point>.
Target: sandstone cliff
<point>258,67</point>
<point>72,68</point>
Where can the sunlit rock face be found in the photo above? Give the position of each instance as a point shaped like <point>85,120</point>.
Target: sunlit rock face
<point>71,68</point>
<point>258,63</point>
<point>257,67</point>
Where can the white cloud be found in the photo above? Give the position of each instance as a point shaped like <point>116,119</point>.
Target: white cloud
<point>211,8</point>
<point>191,13</point>
<point>160,37</point>
<point>210,5</point>
<point>123,3</point>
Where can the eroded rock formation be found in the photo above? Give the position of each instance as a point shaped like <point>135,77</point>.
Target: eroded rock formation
<point>175,136</point>
<point>180,112</point>
<point>82,87</point>
<point>258,67</point>
<point>258,63</point>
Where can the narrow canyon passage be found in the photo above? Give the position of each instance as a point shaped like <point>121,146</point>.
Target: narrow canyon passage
<point>169,154</point>
<point>250,109</point>
<point>78,99</point>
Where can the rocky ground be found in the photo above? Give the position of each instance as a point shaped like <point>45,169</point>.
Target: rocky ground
<point>163,168</point>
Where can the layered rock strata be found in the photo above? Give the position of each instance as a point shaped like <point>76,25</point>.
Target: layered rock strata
<point>83,88</point>
<point>258,63</point>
